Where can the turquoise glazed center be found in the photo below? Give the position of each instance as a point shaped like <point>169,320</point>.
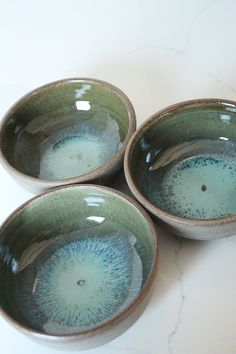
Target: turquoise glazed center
<point>81,279</point>
<point>87,281</point>
<point>201,187</point>
<point>79,149</point>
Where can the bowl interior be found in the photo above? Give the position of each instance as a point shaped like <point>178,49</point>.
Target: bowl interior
<point>65,129</point>
<point>183,160</point>
<point>73,259</point>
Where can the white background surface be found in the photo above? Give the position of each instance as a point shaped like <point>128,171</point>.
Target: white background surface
<point>159,52</point>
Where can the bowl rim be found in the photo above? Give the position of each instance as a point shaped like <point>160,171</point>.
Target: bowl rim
<point>156,118</point>
<point>84,178</point>
<point>122,315</point>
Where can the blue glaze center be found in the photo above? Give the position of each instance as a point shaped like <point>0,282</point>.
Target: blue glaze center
<point>79,149</point>
<point>82,283</point>
<point>199,187</point>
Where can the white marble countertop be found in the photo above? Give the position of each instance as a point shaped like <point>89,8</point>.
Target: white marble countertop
<point>159,52</point>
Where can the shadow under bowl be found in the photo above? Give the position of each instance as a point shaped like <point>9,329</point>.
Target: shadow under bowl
<point>77,266</point>
<point>66,132</point>
<point>181,166</point>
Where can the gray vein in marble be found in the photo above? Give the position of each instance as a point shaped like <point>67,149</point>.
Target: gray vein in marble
<point>184,50</point>
<point>211,75</point>
<point>175,330</point>
<point>196,18</point>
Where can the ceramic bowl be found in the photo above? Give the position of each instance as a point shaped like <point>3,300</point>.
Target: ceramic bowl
<point>181,166</point>
<point>77,266</point>
<point>66,132</point>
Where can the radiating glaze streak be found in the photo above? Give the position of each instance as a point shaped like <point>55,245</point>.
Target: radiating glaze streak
<point>87,281</point>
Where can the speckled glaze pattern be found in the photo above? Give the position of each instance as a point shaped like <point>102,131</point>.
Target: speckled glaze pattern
<point>180,165</point>
<point>78,265</point>
<point>66,132</point>
<point>202,186</point>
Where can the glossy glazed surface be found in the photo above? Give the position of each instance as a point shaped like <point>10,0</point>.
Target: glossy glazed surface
<point>66,129</point>
<point>73,259</point>
<point>180,143</point>
<point>184,162</point>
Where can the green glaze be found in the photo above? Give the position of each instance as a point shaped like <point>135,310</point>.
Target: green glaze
<point>65,129</point>
<point>73,259</point>
<point>182,160</point>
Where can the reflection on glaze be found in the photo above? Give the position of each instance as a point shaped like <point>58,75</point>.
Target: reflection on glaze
<point>83,105</point>
<point>225,118</point>
<point>97,219</point>
<point>94,201</point>
<point>80,92</point>
<point>8,259</point>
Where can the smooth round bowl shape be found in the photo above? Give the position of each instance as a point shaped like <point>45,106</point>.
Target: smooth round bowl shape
<point>77,266</point>
<point>181,166</point>
<point>69,131</point>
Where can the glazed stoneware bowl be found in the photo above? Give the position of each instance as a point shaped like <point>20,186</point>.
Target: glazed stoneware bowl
<point>181,166</point>
<point>77,266</point>
<point>66,132</point>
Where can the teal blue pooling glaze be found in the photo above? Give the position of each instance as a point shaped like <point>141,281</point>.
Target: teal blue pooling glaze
<point>86,282</point>
<point>65,140</point>
<point>80,280</point>
<point>201,186</point>
<point>79,149</point>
